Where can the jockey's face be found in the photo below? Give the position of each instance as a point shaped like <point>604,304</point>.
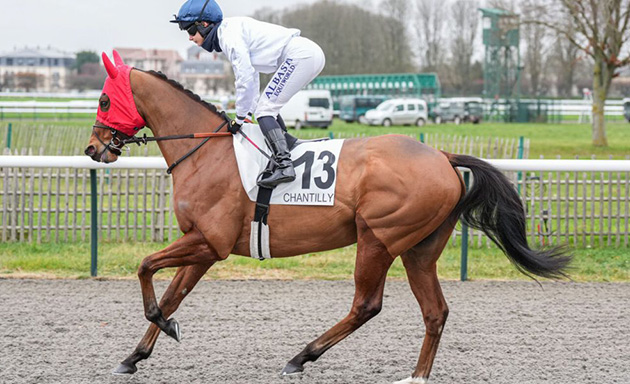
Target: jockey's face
<point>196,37</point>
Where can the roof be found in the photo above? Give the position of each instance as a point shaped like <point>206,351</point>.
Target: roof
<point>495,12</point>
<point>37,52</point>
<point>149,54</point>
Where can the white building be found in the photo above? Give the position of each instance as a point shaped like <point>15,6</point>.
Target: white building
<point>207,74</point>
<point>163,60</point>
<point>35,69</point>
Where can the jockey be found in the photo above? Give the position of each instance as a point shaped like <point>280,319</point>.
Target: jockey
<point>255,47</point>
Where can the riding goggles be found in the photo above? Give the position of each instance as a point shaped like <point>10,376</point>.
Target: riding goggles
<point>192,30</point>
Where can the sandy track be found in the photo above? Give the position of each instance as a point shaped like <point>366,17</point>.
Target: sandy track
<point>69,331</point>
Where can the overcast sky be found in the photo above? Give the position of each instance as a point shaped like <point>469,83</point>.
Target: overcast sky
<point>100,25</point>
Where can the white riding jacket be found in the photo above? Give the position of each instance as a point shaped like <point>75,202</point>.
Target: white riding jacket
<point>252,47</point>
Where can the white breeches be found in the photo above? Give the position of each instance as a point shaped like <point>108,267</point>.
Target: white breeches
<point>302,60</point>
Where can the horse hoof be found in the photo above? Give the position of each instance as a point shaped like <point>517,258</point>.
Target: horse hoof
<point>291,369</point>
<point>172,329</point>
<point>413,380</point>
<point>124,369</point>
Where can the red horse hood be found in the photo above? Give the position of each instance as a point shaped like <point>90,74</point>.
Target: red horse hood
<point>122,114</point>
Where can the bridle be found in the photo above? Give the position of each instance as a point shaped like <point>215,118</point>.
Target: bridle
<point>117,143</point>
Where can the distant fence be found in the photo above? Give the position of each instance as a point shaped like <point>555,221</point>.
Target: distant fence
<point>584,203</point>
<point>553,110</point>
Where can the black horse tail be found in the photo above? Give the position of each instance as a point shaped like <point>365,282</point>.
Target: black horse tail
<point>493,206</point>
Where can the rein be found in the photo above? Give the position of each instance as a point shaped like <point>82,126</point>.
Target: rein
<point>116,144</point>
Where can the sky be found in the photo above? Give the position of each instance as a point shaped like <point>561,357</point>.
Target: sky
<point>100,25</point>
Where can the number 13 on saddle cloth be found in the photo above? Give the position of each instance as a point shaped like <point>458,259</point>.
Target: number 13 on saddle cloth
<point>315,167</point>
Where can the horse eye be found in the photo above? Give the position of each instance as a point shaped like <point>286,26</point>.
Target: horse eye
<point>104,103</point>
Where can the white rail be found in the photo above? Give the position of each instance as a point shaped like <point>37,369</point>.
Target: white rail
<point>81,162</point>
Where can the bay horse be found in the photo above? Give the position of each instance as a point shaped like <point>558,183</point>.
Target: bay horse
<point>394,197</point>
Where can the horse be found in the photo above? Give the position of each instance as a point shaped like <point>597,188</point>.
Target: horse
<point>395,197</point>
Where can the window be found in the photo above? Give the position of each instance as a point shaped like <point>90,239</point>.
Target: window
<point>319,102</point>
<point>420,107</point>
<point>400,108</point>
<point>411,107</point>
<point>9,61</point>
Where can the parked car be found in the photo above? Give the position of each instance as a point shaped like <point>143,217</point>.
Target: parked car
<point>458,110</point>
<point>308,108</point>
<point>399,112</point>
<point>353,107</point>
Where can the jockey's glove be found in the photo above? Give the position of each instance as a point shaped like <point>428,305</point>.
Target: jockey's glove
<point>235,126</point>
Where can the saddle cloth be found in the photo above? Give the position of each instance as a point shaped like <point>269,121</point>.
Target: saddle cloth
<point>315,166</point>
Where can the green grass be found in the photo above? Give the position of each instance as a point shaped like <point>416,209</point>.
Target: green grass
<point>121,260</point>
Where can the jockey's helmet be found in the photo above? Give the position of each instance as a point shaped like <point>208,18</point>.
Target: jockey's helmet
<point>198,10</point>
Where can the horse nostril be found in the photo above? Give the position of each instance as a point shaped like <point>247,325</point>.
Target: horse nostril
<point>90,150</point>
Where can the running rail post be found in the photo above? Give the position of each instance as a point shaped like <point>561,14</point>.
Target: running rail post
<point>9,134</point>
<point>521,141</point>
<point>94,226</point>
<point>463,275</point>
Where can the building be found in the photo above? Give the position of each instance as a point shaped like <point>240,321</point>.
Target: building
<point>35,70</point>
<point>206,73</point>
<point>163,60</point>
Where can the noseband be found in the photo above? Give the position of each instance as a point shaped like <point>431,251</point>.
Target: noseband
<point>116,144</point>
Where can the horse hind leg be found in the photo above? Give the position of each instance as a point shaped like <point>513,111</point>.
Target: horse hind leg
<point>373,262</point>
<point>183,282</point>
<point>420,265</point>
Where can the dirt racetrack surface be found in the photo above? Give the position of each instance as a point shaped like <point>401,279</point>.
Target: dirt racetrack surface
<point>77,331</point>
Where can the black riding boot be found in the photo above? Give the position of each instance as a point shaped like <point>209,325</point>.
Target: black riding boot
<point>283,172</point>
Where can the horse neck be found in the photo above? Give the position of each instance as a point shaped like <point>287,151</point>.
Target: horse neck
<point>170,111</point>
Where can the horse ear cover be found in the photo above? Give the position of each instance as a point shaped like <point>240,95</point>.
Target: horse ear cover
<point>112,71</point>
<point>117,59</point>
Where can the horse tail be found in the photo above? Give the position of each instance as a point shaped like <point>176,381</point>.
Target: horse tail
<point>493,206</point>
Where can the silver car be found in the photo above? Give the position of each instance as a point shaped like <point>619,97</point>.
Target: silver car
<point>398,112</point>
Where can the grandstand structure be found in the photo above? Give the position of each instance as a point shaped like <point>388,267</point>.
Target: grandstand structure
<point>424,85</point>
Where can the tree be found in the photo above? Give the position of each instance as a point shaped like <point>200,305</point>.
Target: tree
<point>395,28</point>
<point>353,39</point>
<point>84,57</point>
<point>566,59</point>
<point>429,28</point>
<point>92,76</point>
<point>601,30</point>
<point>268,14</point>
<point>536,40</point>
<point>465,18</point>
<point>28,81</point>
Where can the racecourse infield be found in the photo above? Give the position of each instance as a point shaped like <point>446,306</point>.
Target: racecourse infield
<point>77,331</point>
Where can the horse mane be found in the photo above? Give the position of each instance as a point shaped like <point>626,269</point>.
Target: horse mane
<point>181,88</point>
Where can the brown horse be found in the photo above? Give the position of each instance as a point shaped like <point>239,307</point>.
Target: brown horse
<point>395,197</point>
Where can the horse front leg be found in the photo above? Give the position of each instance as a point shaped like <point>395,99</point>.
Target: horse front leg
<point>190,249</point>
<point>184,281</point>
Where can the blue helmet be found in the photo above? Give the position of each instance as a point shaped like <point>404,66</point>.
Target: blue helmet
<point>199,10</point>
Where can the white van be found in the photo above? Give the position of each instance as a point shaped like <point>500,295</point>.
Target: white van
<point>308,108</point>
<point>399,112</point>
